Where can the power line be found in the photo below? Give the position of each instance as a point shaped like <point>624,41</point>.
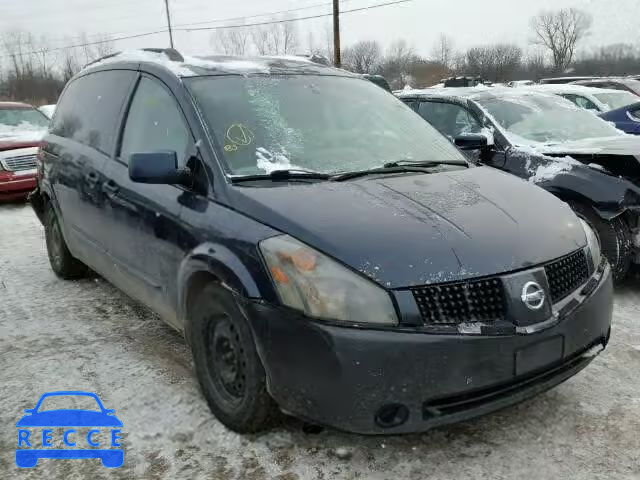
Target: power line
<point>86,44</point>
<point>228,19</point>
<point>271,22</point>
<point>146,34</point>
<point>266,14</point>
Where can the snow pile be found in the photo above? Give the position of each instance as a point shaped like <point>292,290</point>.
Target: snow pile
<point>23,132</point>
<point>269,161</point>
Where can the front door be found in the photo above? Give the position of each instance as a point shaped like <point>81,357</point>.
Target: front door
<point>145,219</point>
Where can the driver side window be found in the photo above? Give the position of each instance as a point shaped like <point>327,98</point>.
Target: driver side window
<point>154,123</point>
<point>449,119</point>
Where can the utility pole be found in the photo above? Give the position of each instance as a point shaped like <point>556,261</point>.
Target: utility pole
<point>336,34</point>
<point>166,6</point>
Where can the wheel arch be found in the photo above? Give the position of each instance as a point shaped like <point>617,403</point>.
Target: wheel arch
<point>216,263</point>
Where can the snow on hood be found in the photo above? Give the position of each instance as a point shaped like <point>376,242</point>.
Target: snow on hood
<point>23,132</point>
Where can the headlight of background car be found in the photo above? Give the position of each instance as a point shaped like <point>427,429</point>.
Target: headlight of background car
<point>593,242</point>
<point>311,282</point>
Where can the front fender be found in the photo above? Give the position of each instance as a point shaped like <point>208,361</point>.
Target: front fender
<point>569,179</point>
<point>243,277</point>
<point>608,195</point>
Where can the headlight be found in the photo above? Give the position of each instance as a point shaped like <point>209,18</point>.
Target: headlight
<point>311,282</point>
<point>593,242</point>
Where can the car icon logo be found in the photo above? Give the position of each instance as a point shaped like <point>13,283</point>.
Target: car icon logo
<point>36,436</point>
<point>533,296</point>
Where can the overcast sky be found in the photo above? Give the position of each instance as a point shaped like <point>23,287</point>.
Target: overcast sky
<point>468,22</point>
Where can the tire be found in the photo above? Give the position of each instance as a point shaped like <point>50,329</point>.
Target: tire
<point>63,264</point>
<point>227,365</point>
<point>614,236</point>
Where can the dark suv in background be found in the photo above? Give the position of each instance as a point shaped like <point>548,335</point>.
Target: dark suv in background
<point>322,248</point>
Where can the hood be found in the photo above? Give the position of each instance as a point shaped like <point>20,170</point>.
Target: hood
<point>17,137</point>
<point>618,145</point>
<point>406,230</point>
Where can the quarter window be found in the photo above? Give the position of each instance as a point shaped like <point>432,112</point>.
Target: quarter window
<point>154,123</point>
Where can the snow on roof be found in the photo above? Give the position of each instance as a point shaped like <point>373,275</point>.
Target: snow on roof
<point>14,105</point>
<point>568,88</point>
<point>193,65</point>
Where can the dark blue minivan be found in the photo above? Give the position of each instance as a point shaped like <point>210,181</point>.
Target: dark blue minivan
<point>325,251</point>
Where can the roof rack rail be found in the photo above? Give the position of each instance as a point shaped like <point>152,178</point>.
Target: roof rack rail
<point>171,53</point>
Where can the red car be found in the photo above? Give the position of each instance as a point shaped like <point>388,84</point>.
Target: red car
<point>21,129</point>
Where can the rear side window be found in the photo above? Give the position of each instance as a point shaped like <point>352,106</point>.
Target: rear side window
<point>154,123</point>
<point>89,109</point>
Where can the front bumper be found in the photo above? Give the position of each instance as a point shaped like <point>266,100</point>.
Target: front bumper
<point>14,185</point>
<point>385,382</point>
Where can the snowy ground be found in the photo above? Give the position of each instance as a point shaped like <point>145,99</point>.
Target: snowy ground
<point>86,335</point>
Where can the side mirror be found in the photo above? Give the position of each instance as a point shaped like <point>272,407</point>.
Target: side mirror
<point>473,141</point>
<point>159,167</point>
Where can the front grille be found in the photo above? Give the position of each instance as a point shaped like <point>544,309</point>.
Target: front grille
<point>566,275</point>
<point>22,162</point>
<point>455,303</point>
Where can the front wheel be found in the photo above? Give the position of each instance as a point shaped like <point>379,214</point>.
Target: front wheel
<point>227,365</point>
<point>614,237</point>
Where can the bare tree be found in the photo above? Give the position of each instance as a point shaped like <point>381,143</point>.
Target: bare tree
<point>362,57</point>
<point>397,62</point>
<point>443,51</point>
<point>494,62</point>
<point>560,32</point>
<point>231,41</point>
<point>275,39</point>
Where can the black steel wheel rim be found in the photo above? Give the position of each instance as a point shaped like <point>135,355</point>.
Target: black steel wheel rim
<point>226,362</point>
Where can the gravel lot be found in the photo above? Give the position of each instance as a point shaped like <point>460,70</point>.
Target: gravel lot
<point>86,335</point>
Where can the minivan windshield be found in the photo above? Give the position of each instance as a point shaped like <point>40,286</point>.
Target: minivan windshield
<point>326,124</point>
<point>537,118</point>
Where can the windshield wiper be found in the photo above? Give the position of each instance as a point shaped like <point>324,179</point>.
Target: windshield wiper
<point>426,164</point>
<point>287,174</point>
<point>382,171</point>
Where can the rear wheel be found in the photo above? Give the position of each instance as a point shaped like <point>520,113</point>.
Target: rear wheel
<point>227,365</point>
<point>62,262</point>
<point>614,236</point>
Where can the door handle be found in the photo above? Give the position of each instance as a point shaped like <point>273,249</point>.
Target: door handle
<point>110,188</point>
<point>92,179</point>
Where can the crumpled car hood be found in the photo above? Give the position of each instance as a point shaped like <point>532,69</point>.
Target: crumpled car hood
<point>404,230</point>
